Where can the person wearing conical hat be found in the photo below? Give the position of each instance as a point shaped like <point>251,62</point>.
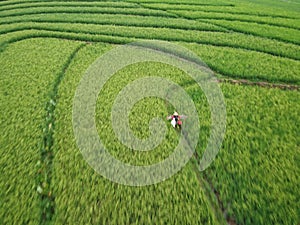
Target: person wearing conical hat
<point>175,120</point>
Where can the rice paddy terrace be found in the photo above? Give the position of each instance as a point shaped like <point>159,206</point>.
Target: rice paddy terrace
<point>252,46</point>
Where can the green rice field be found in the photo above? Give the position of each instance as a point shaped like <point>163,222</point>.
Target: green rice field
<point>253,47</point>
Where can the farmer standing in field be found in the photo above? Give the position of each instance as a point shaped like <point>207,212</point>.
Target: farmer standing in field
<point>176,122</point>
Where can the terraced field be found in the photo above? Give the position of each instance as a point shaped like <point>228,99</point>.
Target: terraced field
<point>254,50</point>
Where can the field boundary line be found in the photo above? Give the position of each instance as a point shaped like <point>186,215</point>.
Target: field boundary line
<point>216,11</point>
<point>264,84</point>
<point>237,30</point>
<point>229,78</point>
<point>128,37</point>
<point>213,202</point>
<point>235,13</point>
<point>41,22</point>
<point>65,6</point>
<point>48,4</point>
<point>121,23</point>
<point>144,4</point>
<point>245,20</point>
<point>182,3</point>
<point>210,192</point>
<point>7,3</point>
<point>109,10</point>
<point>47,197</point>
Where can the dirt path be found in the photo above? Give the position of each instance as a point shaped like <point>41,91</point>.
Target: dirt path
<point>260,84</point>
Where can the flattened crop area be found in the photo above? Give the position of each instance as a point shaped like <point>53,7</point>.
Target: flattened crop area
<point>45,49</point>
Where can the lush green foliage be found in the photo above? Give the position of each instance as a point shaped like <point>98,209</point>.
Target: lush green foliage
<point>221,15</point>
<point>45,48</point>
<point>253,65</point>
<point>262,30</point>
<point>256,171</point>
<point>232,7</point>
<point>26,80</point>
<point>112,10</point>
<point>187,34</point>
<point>94,199</point>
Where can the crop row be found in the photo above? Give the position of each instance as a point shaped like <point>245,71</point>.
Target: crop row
<point>262,30</point>
<point>256,172</point>
<point>54,3</point>
<point>238,165</point>
<point>96,10</point>
<point>191,3</point>
<point>141,113</point>
<point>97,200</point>
<point>233,40</point>
<point>26,4</point>
<point>277,22</point>
<point>237,9</point>
<point>202,12</point>
<point>125,20</point>
<point>224,60</point>
<point>238,63</point>
<point>254,175</point>
<point>92,199</point>
<point>28,34</point>
<point>213,38</point>
<point>24,93</point>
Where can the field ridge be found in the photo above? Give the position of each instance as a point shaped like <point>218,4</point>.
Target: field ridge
<point>42,26</point>
<point>44,181</point>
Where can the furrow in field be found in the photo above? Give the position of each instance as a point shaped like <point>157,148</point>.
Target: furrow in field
<point>83,196</point>
<point>83,10</point>
<point>247,160</point>
<point>257,165</point>
<point>182,3</point>
<point>110,19</point>
<point>276,22</point>
<point>260,30</point>
<point>260,84</point>
<point>18,2</point>
<point>235,63</point>
<point>238,63</point>
<point>47,179</point>
<point>44,182</point>
<point>113,30</point>
<point>26,78</point>
<point>22,35</point>
<point>239,10</point>
<point>167,34</point>
<point>36,4</point>
<point>214,202</point>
